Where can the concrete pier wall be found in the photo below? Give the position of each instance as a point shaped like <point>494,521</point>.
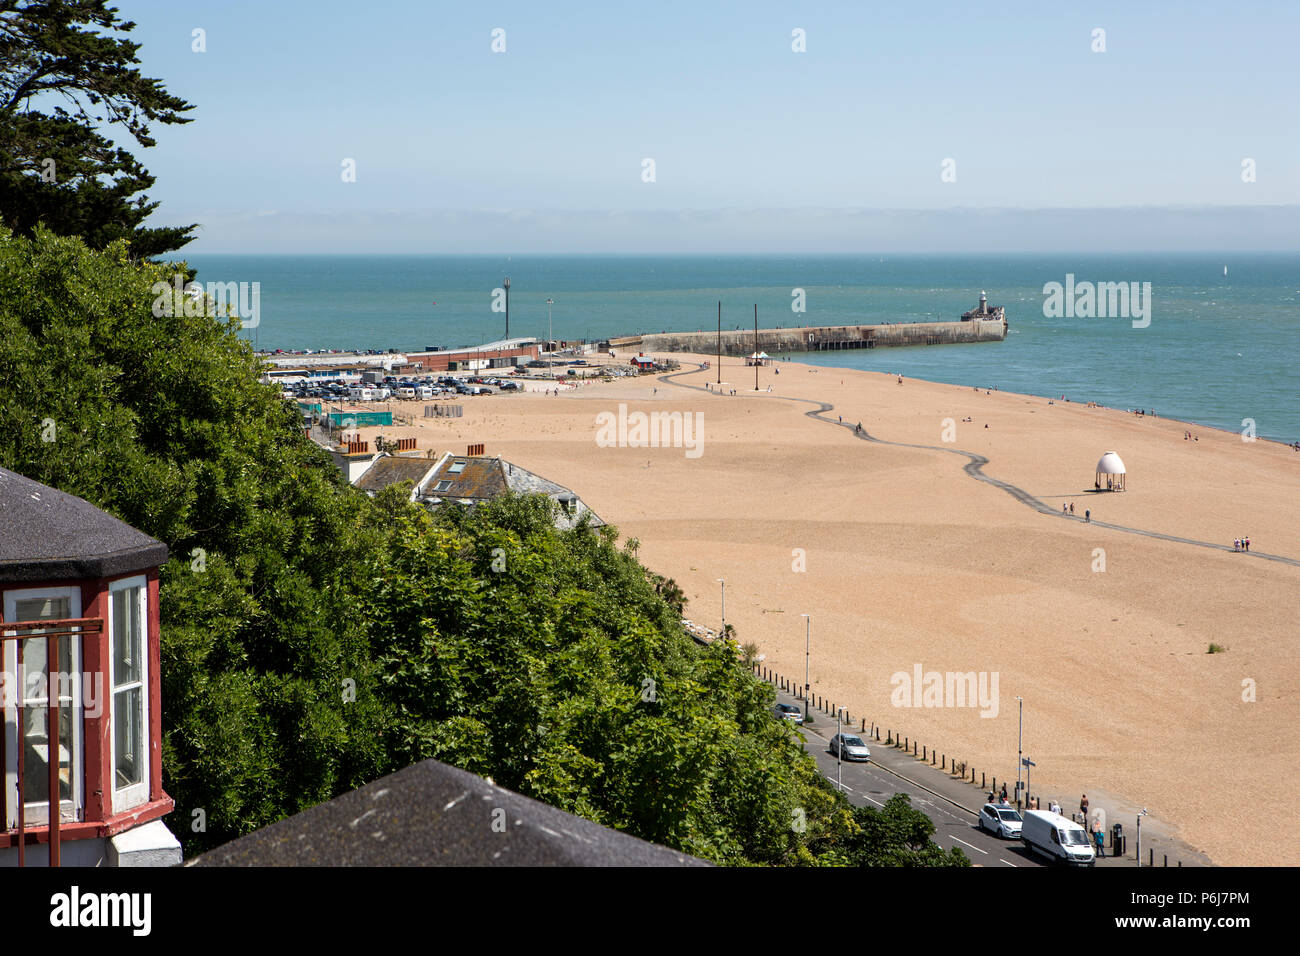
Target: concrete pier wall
<point>817,338</point>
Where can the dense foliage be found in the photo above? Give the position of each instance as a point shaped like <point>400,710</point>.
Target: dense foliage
<point>315,639</point>
<point>68,79</point>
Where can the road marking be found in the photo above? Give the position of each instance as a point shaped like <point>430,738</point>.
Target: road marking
<point>972,846</point>
<point>1008,863</point>
<point>873,800</point>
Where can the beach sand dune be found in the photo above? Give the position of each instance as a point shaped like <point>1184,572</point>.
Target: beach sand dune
<point>903,559</point>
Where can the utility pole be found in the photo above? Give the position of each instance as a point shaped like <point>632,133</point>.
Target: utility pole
<point>807,657</point>
<point>549,337</point>
<point>1020,749</point>
<point>719,341</point>
<point>756,346</point>
<point>507,285</point>
<point>724,607</point>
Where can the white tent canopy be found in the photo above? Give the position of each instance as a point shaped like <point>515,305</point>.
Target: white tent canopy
<point>1111,467</point>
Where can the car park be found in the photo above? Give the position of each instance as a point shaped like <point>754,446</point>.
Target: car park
<point>1001,820</point>
<point>849,747</point>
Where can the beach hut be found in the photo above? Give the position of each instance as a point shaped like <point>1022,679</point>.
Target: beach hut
<point>1110,473</point>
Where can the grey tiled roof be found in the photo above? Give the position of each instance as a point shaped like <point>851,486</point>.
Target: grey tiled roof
<point>46,534</point>
<point>431,814</point>
<point>389,470</point>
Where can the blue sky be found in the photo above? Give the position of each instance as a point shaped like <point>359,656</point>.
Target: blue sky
<point>756,147</point>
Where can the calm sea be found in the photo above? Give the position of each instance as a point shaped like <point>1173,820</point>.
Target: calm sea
<point>1219,348</point>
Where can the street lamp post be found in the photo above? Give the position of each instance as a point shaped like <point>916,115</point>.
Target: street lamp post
<point>839,751</point>
<point>507,288</point>
<point>1141,814</point>
<point>723,632</point>
<point>1020,749</point>
<point>807,657</point>
<point>549,336</point>
<point>1028,763</point>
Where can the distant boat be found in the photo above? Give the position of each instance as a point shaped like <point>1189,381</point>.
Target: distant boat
<point>1225,270</point>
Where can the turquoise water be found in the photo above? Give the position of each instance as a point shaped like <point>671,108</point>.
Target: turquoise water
<point>1219,348</point>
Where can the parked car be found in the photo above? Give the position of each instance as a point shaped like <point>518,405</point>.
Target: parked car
<point>788,712</point>
<point>1001,820</point>
<point>1057,838</point>
<point>852,746</point>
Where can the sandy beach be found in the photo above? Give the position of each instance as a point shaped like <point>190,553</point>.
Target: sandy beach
<point>904,559</point>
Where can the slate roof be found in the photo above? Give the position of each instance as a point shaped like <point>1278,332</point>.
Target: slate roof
<point>482,479</point>
<point>390,469</point>
<point>46,534</point>
<point>431,814</point>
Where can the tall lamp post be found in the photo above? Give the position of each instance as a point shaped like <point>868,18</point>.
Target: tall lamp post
<point>507,288</point>
<point>1020,749</point>
<point>723,632</point>
<point>839,750</point>
<point>1141,814</point>
<point>551,356</point>
<point>807,656</point>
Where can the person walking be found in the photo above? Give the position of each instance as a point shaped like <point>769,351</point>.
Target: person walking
<point>1087,515</point>
<point>1071,507</point>
<point>1004,791</point>
<point>1083,807</point>
<point>1100,836</point>
<point>1248,544</point>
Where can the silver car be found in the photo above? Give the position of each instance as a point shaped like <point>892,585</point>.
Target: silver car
<point>788,712</point>
<point>849,747</point>
<point>1002,820</point>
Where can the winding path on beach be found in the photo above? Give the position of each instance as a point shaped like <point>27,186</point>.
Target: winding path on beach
<point>975,468</point>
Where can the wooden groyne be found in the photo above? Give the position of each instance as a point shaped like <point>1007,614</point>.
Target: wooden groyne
<point>818,338</point>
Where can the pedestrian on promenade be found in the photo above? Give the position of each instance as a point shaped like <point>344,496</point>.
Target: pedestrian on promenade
<point>1100,836</point>
<point>1083,807</point>
<point>1087,515</point>
<point>1247,544</point>
<point>1071,507</point>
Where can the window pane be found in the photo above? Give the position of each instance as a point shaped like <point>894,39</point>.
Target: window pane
<point>36,756</point>
<point>127,636</point>
<point>128,737</point>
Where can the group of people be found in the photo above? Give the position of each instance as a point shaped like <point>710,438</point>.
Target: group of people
<point>1067,509</point>
<point>1241,544</point>
<point>1188,436</point>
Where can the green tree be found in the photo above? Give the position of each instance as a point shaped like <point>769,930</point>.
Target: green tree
<point>67,73</point>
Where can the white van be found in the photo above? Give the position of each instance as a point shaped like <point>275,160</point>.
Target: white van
<point>365,395</point>
<point>424,392</point>
<point>1058,838</point>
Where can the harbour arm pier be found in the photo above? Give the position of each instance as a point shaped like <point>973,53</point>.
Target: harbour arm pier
<point>985,323</point>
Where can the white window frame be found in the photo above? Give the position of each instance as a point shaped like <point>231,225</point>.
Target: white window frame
<point>132,795</point>
<point>38,814</point>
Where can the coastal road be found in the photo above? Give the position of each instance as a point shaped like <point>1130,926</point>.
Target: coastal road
<point>872,783</point>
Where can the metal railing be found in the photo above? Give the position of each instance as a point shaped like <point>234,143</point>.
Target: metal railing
<point>50,632</point>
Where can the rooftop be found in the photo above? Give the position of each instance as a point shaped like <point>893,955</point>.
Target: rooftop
<point>49,535</point>
<point>431,814</point>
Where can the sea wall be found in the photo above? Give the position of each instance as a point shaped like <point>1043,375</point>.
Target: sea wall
<point>817,338</point>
